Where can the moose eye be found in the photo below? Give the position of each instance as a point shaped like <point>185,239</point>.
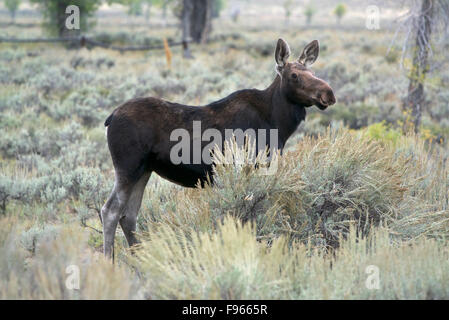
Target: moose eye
<point>294,76</point>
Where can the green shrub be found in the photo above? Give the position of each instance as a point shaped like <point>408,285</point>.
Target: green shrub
<point>309,12</point>
<point>392,56</point>
<point>381,132</point>
<point>12,6</point>
<point>340,11</point>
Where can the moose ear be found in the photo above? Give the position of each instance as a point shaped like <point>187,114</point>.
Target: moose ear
<point>281,55</point>
<point>310,53</point>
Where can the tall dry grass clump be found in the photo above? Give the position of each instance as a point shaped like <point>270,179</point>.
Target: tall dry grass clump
<point>232,264</point>
<point>320,188</point>
<point>41,268</point>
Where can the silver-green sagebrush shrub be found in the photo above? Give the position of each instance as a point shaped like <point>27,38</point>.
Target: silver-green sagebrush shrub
<point>317,191</point>
<point>348,179</point>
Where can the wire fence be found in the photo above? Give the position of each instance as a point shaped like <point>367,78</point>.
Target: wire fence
<point>83,41</point>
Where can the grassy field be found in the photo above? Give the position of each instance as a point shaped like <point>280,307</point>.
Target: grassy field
<point>356,209</point>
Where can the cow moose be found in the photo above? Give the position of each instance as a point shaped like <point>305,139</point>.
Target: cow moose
<point>138,133</point>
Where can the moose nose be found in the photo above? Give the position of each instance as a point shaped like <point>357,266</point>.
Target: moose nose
<point>327,98</point>
<point>330,97</point>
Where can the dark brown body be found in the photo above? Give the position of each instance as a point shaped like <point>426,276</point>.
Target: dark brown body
<point>138,133</point>
<point>139,130</point>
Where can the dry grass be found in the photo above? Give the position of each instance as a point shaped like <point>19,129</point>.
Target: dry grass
<point>232,264</point>
<point>41,271</point>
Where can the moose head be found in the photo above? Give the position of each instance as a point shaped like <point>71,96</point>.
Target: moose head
<point>298,82</point>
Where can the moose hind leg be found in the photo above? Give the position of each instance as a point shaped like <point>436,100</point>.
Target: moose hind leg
<point>129,219</point>
<point>111,213</point>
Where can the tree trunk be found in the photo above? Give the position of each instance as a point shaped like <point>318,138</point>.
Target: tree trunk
<point>415,99</point>
<point>62,30</point>
<point>187,11</point>
<point>13,17</point>
<point>195,22</point>
<point>164,12</point>
<point>200,23</point>
<point>147,12</point>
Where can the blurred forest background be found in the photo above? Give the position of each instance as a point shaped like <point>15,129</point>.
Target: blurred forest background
<point>365,182</point>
